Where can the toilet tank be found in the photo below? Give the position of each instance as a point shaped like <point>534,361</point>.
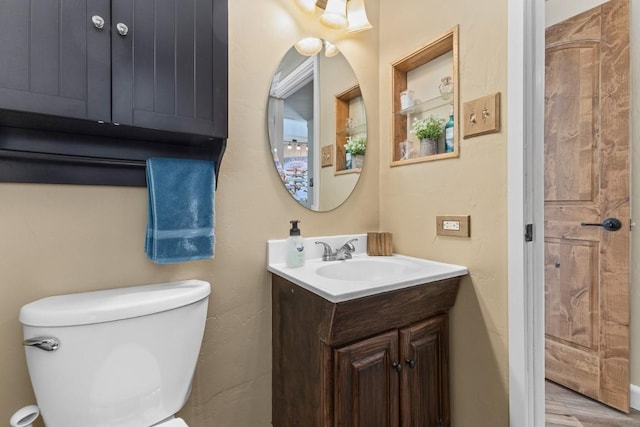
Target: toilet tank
<point>126,356</point>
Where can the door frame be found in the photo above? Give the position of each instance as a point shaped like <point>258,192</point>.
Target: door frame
<point>525,205</point>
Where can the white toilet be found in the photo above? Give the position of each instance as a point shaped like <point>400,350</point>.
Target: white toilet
<point>115,358</point>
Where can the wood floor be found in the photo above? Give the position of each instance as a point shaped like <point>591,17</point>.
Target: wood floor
<point>565,408</point>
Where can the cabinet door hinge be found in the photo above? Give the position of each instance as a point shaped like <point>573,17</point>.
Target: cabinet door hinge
<point>528,233</point>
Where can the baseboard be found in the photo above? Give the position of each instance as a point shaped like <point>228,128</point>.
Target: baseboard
<point>635,397</point>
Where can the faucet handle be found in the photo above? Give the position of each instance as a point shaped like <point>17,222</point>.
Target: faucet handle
<point>349,244</point>
<point>328,254</point>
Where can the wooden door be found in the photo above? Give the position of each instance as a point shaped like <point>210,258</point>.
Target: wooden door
<point>587,181</point>
<point>54,59</point>
<point>170,69</point>
<point>366,383</point>
<point>424,383</point>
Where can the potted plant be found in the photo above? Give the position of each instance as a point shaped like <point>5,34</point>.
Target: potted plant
<point>428,131</point>
<point>357,147</point>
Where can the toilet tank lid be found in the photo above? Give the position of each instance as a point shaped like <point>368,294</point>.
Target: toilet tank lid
<point>112,304</point>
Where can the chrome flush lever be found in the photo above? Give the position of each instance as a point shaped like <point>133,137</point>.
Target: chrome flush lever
<point>43,343</point>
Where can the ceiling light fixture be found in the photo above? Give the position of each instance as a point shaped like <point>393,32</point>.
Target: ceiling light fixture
<point>349,15</point>
<point>358,20</point>
<point>309,46</point>
<point>335,15</point>
<point>308,6</point>
<point>330,49</point>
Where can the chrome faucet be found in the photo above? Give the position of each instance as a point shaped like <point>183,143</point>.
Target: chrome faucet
<point>341,254</point>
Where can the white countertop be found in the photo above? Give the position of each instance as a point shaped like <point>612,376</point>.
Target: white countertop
<point>384,273</point>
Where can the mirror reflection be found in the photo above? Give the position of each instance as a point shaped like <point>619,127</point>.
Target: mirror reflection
<point>317,127</point>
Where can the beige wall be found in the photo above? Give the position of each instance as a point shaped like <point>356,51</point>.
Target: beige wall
<point>559,10</point>
<point>475,184</point>
<point>337,76</point>
<point>56,239</point>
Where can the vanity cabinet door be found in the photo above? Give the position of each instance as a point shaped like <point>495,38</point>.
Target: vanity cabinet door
<point>170,68</point>
<point>55,59</point>
<point>366,383</point>
<point>424,386</point>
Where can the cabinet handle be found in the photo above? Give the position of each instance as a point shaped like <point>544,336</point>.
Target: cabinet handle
<point>98,22</point>
<point>396,366</point>
<point>411,363</point>
<point>123,30</point>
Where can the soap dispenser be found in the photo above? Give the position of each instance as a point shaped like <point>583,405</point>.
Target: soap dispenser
<point>295,246</point>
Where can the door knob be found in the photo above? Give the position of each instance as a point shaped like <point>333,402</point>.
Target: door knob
<point>411,363</point>
<point>123,30</point>
<point>396,366</point>
<point>98,22</point>
<point>609,224</point>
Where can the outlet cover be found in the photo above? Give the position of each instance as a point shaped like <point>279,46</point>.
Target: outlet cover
<point>453,225</point>
<point>481,116</point>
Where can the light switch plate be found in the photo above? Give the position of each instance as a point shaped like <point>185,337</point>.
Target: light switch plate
<point>481,116</point>
<point>327,155</point>
<point>453,225</point>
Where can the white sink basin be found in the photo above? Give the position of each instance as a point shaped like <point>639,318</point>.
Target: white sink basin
<point>371,269</point>
<point>363,275</point>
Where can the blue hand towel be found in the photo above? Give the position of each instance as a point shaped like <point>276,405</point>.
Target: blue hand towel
<point>181,210</point>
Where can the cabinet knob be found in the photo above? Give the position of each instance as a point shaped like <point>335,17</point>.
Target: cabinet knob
<point>123,30</point>
<point>98,22</point>
<point>396,366</point>
<point>411,363</point>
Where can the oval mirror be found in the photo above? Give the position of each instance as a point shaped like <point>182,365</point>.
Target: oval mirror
<point>317,127</point>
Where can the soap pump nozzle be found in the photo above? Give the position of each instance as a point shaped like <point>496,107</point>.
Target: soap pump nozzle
<point>295,231</point>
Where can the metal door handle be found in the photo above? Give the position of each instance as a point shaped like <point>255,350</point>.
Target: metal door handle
<point>609,224</point>
<point>411,363</point>
<point>98,22</point>
<point>123,30</point>
<point>396,366</point>
<point>43,343</point>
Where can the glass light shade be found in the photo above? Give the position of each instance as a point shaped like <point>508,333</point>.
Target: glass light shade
<point>330,49</point>
<point>335,15</point>
<point>308,6</point>
<point>309,46</point>
<point>357,15</point>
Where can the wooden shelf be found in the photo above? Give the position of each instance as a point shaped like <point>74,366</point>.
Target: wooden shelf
<point>426,106</point>
<point>423,57</point>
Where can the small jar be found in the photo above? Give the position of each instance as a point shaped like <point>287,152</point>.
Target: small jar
<point>406,150</point>
<point>348,123</point>
<point>446,87</point>
<point>406,99</point>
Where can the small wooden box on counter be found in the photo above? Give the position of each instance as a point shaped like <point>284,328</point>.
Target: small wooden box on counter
<point>379,244</point>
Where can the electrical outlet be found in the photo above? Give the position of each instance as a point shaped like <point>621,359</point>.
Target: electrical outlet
<point>453,225</point>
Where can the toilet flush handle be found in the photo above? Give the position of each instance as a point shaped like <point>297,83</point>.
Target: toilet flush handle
<point>43,343</point>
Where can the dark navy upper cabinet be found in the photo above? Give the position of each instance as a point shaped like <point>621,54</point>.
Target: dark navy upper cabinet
<point>53,60</point>
<point>143,63</point>
<point>105,84</point>
<point>170,65</point>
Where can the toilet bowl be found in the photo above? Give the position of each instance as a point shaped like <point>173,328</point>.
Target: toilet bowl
<point>119,357</point>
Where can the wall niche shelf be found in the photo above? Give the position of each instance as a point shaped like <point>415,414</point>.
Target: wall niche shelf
<point>426,63</point>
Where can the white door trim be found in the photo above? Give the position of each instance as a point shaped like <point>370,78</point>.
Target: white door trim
<point>525,203</point>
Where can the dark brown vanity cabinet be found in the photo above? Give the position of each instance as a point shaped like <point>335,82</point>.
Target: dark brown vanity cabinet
<point>150,64</point>
<point>377,361</point>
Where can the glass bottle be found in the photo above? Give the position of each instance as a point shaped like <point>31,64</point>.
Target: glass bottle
<point>448,134</point>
